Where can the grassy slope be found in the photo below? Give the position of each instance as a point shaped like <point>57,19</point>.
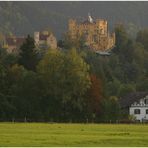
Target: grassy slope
<point>37,134</point>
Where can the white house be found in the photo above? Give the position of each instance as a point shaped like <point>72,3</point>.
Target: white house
<point>135,104</point>
<point>139,109</point>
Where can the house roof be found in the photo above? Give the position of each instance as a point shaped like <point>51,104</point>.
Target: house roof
<point>130,98</point>
<point>15,41</point>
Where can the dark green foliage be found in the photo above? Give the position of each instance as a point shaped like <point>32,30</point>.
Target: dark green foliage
<point>111,111</point>
<point>28,55</point>
<point>58,87</point>
<point>121,38</point>
<point>143,85</point>
<point>142,37</point>
<point>67,43</point>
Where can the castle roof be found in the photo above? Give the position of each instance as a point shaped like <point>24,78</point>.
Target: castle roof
<point>87,22</point>
<point>15,41</point>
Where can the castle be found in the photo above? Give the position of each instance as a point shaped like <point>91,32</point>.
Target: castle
<point>45,39</point>
<point>12,44</point>
<point>95,33</point>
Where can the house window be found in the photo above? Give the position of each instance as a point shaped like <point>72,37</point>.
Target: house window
<point>137,111</point>
<point>146,111</point>
<point>146,101</point>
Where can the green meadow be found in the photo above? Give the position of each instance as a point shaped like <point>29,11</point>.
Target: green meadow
<point>45,134</point>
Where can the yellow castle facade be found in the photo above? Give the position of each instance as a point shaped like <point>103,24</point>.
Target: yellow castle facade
<point>95,32</point>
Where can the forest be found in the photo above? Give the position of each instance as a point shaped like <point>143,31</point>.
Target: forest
<point>72,83</point>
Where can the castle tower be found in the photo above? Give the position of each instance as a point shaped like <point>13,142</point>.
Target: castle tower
<point>90,19</point>
<point>36,38</point>
<point>72,28</point>
<point>52,42</point>
<point>95,33</point>
<point>72,23</point>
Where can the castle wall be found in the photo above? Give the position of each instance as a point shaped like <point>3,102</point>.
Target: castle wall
<point>52,42</point>
<point>45,39</point>
<point>36,38</point>
<point>96,34</point>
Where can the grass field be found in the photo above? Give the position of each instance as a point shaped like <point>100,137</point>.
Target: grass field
<point>44,134</point>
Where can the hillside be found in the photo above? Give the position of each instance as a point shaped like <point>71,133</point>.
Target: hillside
<point>26,17</point>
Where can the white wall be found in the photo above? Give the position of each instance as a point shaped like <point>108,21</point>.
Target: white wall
<point>36,37</point>
<point>142,112</point>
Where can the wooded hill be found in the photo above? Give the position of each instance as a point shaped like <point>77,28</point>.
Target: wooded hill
<point>25,17</point>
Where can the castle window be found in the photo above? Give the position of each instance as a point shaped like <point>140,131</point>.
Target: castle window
<point>137,111</point>
<point>97,31</point>
<point>95,38</point>
<point>86,31</point>
<point>146,111</point>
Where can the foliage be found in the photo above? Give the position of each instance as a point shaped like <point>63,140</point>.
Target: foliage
<point>125,89</point>
<point>142,37</point>
<point>28,56</point>
<point>68,43</point>
<point>111,109</point>
<point>95,96</point>
<point>131,117</point>
<point>143,85</point>
<point>66,80</point>
<point>72,84</point>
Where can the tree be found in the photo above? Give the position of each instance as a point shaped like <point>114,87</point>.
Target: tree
<point>95,96</point>
<point>26,91</point>
<point>125,89</point>
<point>112,87</point>
<point>2,39</point>
<point>66,80</point>
<point>28,55</point>
<point>142,37</point>
<point>111,109</point>
<point>6,107</point>
<point>146,64</point>
<point>69,43</point>
<point>143,85</point>
<point>121,38</point>
<point>96,64</point>
<point>132,30</point>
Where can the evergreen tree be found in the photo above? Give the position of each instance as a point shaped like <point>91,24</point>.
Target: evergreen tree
<point>142,37</point>
<point>28,55</point>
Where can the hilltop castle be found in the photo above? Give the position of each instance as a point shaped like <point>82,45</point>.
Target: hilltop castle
<point>95,33</point>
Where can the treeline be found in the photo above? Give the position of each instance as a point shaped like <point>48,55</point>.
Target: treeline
<point>72,83</point>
